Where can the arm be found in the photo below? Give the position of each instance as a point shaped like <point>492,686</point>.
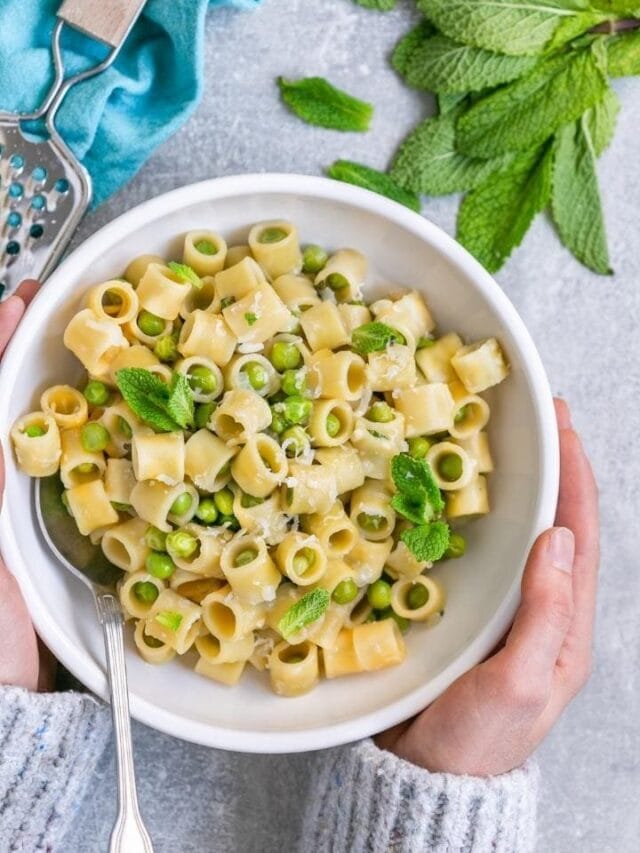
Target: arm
<point>49,742</point>
<point>457,777</point>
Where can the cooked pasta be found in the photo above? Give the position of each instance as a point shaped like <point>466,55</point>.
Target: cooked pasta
<point>259,450</point>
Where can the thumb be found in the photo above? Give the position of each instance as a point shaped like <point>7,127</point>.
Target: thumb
<point>19,662</point>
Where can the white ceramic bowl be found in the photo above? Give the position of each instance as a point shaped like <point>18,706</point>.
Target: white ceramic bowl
<point>483,587</point>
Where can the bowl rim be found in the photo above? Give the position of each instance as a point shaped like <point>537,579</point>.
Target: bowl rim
<point>208,734</point>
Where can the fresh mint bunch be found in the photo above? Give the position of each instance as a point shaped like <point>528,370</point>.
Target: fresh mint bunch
<point>419,500</point>
<point>165,407</point>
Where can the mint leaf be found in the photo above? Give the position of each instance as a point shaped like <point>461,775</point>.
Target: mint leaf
<point>428,162</point>
<point>441,64</point>
<point>373,337</point>
<point>623,54</point>
<point>378,5</point>
<point>371,179</point>
<point>415,508</point>
<point>305,611</point>
<point>180,405</point>
<point>601,121</point>
<point>404,49</point>
<point>506,26</point>
<point>147,397</point>
<point>169,619</point>
<point>446,103</point>
<point>570,28</point>
<point>576,200</point>
<point>186,274</point>
<point>525,113</point>
<point>494,217</point>
<point>251,318</point>
<point>427,541</point>
<point>414,478</point>
<point>316,101</point>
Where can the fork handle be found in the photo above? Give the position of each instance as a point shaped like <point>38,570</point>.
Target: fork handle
<point>129,834</point>
<point>108,21</point>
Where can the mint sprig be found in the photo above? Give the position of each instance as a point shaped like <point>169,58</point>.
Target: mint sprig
<point>166,408</point>
<point>316,101</point>
<point>427,542</point>
<point>374,336</point>
<point>304,612</point>
<point>419,500</point>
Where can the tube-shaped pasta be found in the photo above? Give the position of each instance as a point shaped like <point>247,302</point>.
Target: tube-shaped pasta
<point>187,365</point>
<point>203,298</point>
<point>435,361</point>
<point>427,409</point>
<point>470,413</point>
<point>78,465</point>
<point>204,251</point>
<point>150,649</point>
<point>378,644</point>
<point>205,561</point>
<point>294,670</point>
<point>477,448</point>
<point>135,334</point>
<point>324,411</point>
<point>323,327</point>
<point>339,375</point>
<point>174,620</point>
<point>308,488</point>
<point>224,673</point>
<point>335,531</point>
<point>296,291</point>
<point>324,632</point>
<point>276,256</point>
<point>402,563</point>
<point>301,558</point>
<point>215,651</point>
<point>471,500</point>
<point>341,659</point>
<point>249,569</point>
<point>119,480</point>
<point>229,618</point>
<point>37,455</point>
<point>266,518</point>
<point>194,588</point>
<point>152,501</point>
<point>90,506</point>
<point>358,611</point>
<point>480,365</point>
<point>122,425</point>
<point>392,369</point>
<point>205,334</point>
<point>93,341</point>
<point>437,452</point>
<point>207,461</point>
<point>345,464</point>
<point>237,280</point>
<point>138,266</point>
<point>260,466</point>
<point>124,545</point>
<point>347,267</point>
<point>236,376</point>
<point>66,405</point>
<point>377,444</point>
<point>132,605</point>
<point>113,300</point>
<point>353,315</point>
<point>258,315</point>
<point>136,355</point>
<point>235,254</point>
<point>240,415</point>
<point>158,456</point>
<point>367,560</point>
<point>434,602</point>
<point>371,512</point>
<point>337,571</point>
<point>408,314</point>
<point>161,292</point>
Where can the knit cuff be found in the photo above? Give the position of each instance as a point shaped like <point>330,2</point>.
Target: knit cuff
<point>366,799</point>
<point>49,746</point>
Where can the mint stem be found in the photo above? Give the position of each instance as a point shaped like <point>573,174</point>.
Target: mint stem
<point>611,27</point>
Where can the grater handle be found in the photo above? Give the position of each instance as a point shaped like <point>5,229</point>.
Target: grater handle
<point>108,21</point>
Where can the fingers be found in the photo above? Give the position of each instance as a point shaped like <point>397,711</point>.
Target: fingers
<point>11,312</point>
<point>28,289</point>
<point>19,649</point>
<point>563,415</point>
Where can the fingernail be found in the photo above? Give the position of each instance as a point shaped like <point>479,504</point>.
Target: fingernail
<point>561,549</point>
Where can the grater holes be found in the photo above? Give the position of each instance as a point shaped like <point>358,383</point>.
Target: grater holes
<point>39,202</point>
<point>14,219</point>
<point>62,186</point>
<point>16,190</point>
<point>16,161</point>
<point>36,231</point>
<point>12,248</point>
<point>39,174</point>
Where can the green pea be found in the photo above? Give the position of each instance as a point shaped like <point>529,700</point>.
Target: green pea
<point>180,543</point>
<point>425,342</point>
<point>379,595</point>
<point>207,511</point>
<point>203,414</point>
<point>124,427</point>
<point>247,501</point>
<point>202,379</point>
<point>296,657</point>
<point>182,504</point>
<point>417,596</point>
<point>85,468</point>
<point>457,546</point>
<point>389,613</point>
<point>96,393</point>
<point>245,557</point>
<point>120,507</point>
<point>230,522</point>
<point>272,235</point>
<point>94,437</point>
<point>333,425</point>
<point>278,422</point>
<point>371,523</point>
<point>224,501</point>
<point>166,348</point>
<point>450,467</point>
<point>303,561</point>
<point>345,592</point>
<point>285,356</point>
<point>206,247</point>
<point>256,374</point>
<point>150,324</point>
<point>36,430</point>
<point>297,410</point>
<point>461,414</point>
<point>160,565</point>
<point>381,413</point>
<point>297,439</point>
<point>294,382</point>
<point>336,281</point>
<point>155,539</point>
<point>225,469</point>
<point>419,447</point>
<point>313,258</point>
<point>145,591</point>
<point>226,301</point>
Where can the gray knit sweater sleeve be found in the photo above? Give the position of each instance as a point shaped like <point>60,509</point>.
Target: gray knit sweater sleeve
<point>366,800</point>
<point>50,744</point>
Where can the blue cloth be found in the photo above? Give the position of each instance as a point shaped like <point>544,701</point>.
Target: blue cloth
<point>113,121</point>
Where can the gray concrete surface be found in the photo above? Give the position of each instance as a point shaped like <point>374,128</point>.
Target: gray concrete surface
<point>586,328</point>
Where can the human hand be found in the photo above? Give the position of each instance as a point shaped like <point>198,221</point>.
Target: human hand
<point>22,662</point>
<point>492,718</point>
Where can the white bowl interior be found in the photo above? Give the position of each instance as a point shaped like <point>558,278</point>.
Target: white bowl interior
<point>482,587</point>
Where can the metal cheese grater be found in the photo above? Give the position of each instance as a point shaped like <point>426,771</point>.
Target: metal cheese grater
<point>44,190</point>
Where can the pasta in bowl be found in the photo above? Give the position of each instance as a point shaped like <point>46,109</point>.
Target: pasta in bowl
<point>284,457</point>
